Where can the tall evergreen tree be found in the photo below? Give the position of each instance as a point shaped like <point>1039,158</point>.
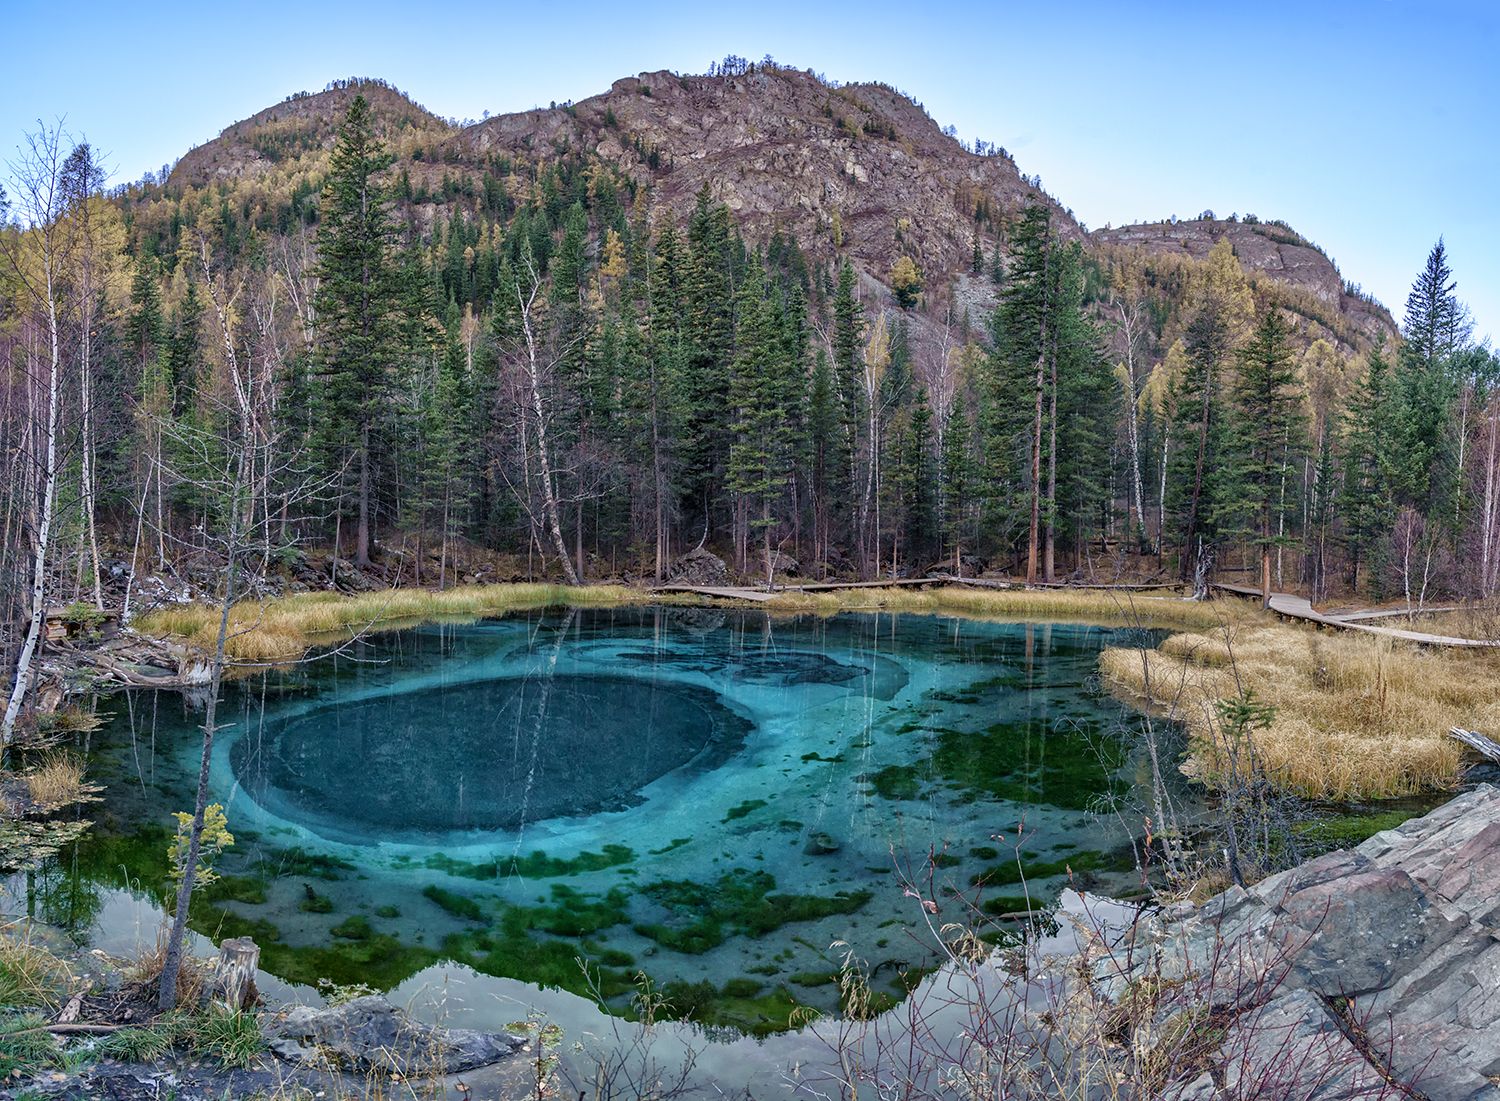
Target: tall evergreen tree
<point>1021,371</point>
<point>357,300</point>
<point>848,375</point>
<point>1368,439</point>
<point>761,396</point>
<point>1200,485</point>
<point>1269,396</point>
<point>708,335</point>
<point>957,473</point>
<point>1425,449</point>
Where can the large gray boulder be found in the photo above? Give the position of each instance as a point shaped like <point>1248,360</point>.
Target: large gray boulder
<point>699,566</point>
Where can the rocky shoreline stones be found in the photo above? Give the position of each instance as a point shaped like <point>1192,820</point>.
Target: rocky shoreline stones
<point>1337,978</point>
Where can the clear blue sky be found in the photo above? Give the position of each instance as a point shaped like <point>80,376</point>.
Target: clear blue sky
<point>1371,126</point>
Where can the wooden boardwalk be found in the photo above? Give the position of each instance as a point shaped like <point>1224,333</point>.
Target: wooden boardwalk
<point>1299,607</point>
<point>1286,604</point>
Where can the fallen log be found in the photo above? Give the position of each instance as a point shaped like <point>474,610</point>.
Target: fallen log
<point>1477,742</point>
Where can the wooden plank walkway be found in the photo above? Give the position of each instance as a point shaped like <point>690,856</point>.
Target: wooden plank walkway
<point>1387,613</point>
<point>1299,607</point>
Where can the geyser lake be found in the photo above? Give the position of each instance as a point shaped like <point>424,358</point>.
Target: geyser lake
<point>726,802</point>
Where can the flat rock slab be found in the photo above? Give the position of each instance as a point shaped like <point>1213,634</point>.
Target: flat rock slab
<point>1399,936</point>
<point>370,1034</point>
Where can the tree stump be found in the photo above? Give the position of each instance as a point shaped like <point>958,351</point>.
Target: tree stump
<point>234,978</point>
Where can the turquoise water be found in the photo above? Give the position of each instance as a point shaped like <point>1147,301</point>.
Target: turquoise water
<point>716,799</point>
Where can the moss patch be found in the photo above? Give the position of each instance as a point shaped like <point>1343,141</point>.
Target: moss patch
<point>703,916</point>
<point>538,865</point>
<point>740,810</point>
<point>1005,874</point>
<point>456,904</point>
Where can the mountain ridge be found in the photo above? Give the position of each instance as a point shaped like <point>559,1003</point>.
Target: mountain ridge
<point>856,170</point>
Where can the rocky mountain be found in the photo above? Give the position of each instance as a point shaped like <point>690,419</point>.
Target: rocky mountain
<point>1270,249</point>
<point>857,170</point>
<point>302,125</point>
<point>859,166</point>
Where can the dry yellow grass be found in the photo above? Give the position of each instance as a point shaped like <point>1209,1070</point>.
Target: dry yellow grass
<point>193,973</point>
<point>1481,621</point>
<point>1357,716</point>
<point>30,974</point>
<point>57,781</point>
<point>1043,605</point>
<point>282,629</point>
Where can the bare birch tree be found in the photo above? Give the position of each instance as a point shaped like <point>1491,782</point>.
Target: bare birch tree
<point>36,256</point>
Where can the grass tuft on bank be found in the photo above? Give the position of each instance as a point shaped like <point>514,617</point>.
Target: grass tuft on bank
<point>283,628</point>
<point>1357,716</point>
<point>1041,605</point>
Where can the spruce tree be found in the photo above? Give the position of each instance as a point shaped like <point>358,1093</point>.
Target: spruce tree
<point>708,335</point>
<point>1019,375</point>
<point>848,376</point>
<point>825,451</point>
<point>1424,471</point>
<point>957,482</point>
<point>1368,458</point>
<point>357,299</point>
<point>1199,476</point>
<point>762,393</point>
<point>1269,396</point>
<point>145,326</point>
<point>922,517</point>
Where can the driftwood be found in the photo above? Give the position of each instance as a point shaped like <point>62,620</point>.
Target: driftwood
<point>1477,742</point>
<point>64,1028</point>
<point>234,977</point>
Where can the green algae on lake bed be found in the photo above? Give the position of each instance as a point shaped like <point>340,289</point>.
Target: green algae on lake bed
<point>713,798</point>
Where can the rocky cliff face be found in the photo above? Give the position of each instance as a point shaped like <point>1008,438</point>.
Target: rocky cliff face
<point>860,165</point>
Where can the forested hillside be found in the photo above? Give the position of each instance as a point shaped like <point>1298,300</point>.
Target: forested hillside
<point>795,323</point>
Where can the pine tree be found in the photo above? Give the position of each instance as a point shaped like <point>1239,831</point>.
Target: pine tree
<point>708,333</point>
<point>1200,485</point>
<point>1425,447</point>
<point>848,374</point>
<point>358,295</point>
<point>957,481</point>
<point>1268,393</point>
<point>1367,461</point>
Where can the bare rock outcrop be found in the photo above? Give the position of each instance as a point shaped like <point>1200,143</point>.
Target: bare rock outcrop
<point>1357,969</point>
<point>699,566</point>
